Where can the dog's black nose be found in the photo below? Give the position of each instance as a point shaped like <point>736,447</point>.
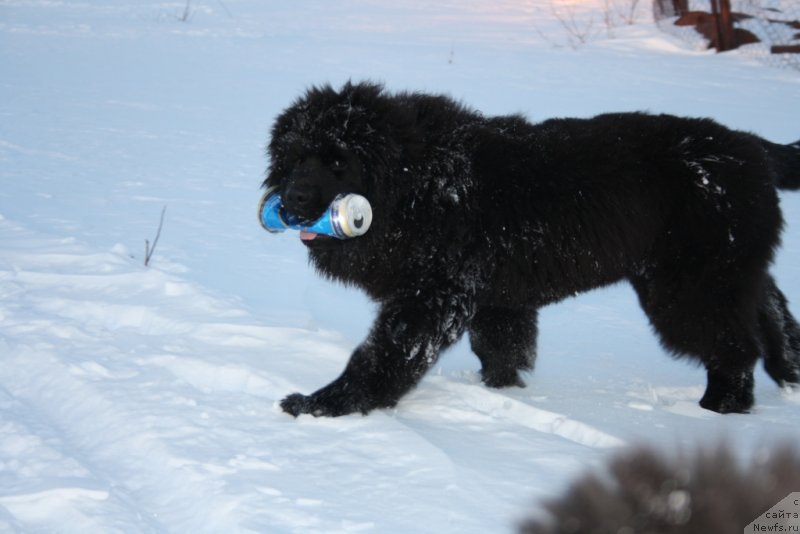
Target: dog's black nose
<point>302,199</point>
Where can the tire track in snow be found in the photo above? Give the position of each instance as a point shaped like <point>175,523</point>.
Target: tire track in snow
<point>41,484</point>
<point>470,403</point>
<point>118,365</point>
<point>72,309</point>
<point>117,447</point>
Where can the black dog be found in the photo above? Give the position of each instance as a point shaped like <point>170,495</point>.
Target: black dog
<point>480,221</point>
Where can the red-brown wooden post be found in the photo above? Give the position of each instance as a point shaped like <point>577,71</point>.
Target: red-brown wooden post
<point>722,13</point>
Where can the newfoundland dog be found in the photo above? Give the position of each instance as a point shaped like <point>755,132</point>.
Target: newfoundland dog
<point>480,221</point>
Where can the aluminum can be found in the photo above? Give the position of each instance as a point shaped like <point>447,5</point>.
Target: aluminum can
<point>348,215</point>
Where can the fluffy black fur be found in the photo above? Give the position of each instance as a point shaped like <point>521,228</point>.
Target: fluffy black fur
<point>480,221</point>
<point>645,492</point>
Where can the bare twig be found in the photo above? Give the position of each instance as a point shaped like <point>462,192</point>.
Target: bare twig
<point>187,11</point>
<point>577,32</point>
<point>148,250</point>
<point>608,18</point>
<point>228,11</point>
<point>627,11</point>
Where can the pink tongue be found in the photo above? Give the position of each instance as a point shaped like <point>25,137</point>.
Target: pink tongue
<point>307,236</point>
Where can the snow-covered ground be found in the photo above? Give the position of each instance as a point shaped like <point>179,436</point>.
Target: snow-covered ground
<point>138,399</point>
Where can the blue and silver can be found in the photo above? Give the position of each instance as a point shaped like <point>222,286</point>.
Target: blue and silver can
<point>349,215</point>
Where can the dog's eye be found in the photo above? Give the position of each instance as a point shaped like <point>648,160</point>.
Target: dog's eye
<point>338,166</point>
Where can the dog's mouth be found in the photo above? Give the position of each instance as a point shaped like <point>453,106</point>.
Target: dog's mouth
<point>347,216</point>
<point>308,236</point>
<point>314,240</point>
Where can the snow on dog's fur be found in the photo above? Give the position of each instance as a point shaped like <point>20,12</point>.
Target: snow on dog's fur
<point>480,221</point>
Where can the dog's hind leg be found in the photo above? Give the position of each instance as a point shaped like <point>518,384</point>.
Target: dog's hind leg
<point>780,335</point>
<point>504,339</point>
<point>716,324</point>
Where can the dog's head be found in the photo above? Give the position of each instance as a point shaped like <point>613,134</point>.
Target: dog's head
<point>404,152</point>
<point>332,142</point>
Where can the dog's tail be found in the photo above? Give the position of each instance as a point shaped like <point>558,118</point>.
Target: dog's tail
<point>785,161</point>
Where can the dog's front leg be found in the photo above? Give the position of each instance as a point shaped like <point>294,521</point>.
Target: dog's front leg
<point>404,343</point>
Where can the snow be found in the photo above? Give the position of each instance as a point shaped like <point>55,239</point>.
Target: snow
<point>138,399</point>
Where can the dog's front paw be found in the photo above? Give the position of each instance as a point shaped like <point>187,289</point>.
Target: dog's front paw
<point>502,379</point>
<point>325,404</point>
<point>729,392</point>
<point>296,404</point>
<point>727,402</point>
